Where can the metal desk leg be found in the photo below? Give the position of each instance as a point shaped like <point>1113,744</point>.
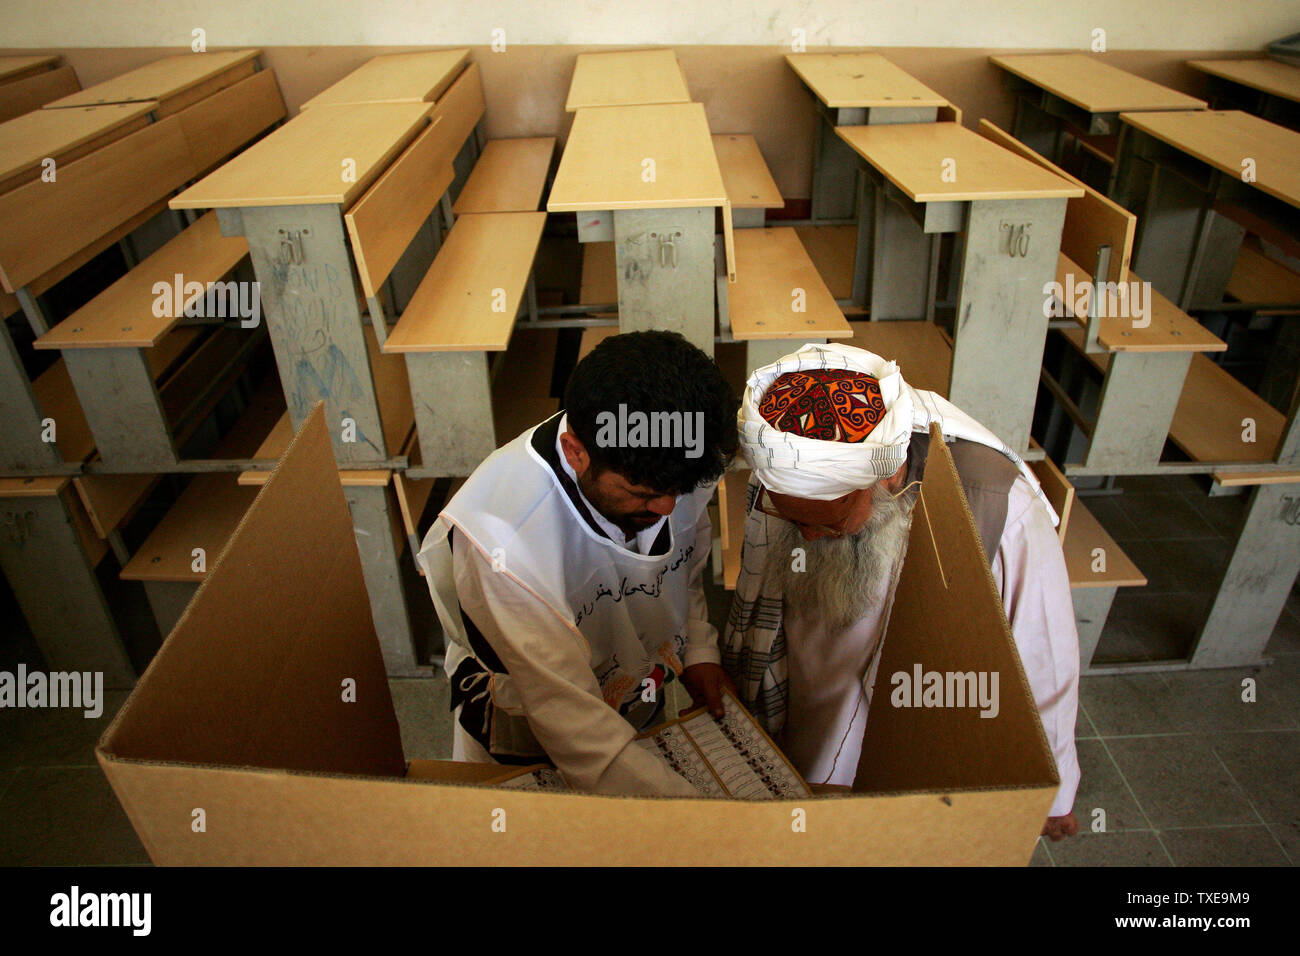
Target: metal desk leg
<point>666,264</point>
<point>300,256</point>
<point>56,587</point>
<point>1255,586</point>
<point>21,448</point>
<point>1091,608</point>
<point>372,519</point>
<point>1000,328</point>
<point>122,407</point>
<point>894,265</point>
<point>1138,399</point>
<point>834,167</point>
<point>452,395</point>
<point>168,601</point>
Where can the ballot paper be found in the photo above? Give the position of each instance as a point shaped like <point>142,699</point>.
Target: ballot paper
<point>730,757</point>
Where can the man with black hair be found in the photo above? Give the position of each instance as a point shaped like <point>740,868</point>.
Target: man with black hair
<point>567,570</point>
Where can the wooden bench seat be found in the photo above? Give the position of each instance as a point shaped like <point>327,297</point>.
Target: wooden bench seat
<point>1168,328</point>
<point>457,307</point>
<point>599,276</point>
<point>832,250</point>
<point>922,351</point>
<point>509,176</point>
<point>123,315</point>
<point>778,301</point>
<point>1207,423</point>
<point>1257,280</point>
<point>750,186</point>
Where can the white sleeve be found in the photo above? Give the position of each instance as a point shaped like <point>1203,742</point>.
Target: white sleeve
<point>548,661</point>
<point>701,636</point>
<point>1030,572</point>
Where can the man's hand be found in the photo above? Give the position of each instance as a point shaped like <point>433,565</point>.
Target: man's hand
<point>1058,828</point>
<point>704,682</point>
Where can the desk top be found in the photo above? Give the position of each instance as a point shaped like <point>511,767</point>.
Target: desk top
<point>860,79</point>
<point>914,156</point>
<point>1224,138</point>
<point>602,166</point>
<point>302,161</point>
<point>395,78</point>
<point>157,80</point>
<point>1093,85</point>
<point>1271,76</point>
<point>16,65</point>
<point>632,78</point>
<point>26,140</point>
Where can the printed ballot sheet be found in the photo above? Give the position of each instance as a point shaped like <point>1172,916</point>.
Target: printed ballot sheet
<point>729,757</point>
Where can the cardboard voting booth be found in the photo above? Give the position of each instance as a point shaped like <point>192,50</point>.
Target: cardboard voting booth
<point>263,732</point>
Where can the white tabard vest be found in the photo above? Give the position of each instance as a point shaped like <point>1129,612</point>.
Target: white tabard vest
<point>523,514</point>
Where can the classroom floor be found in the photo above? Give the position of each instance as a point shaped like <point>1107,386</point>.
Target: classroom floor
<point>1185,772</point>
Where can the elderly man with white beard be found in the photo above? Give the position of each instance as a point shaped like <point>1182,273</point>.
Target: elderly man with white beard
<point>838,441</point>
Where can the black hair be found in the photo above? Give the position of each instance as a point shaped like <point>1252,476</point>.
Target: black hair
<point>653,372</point>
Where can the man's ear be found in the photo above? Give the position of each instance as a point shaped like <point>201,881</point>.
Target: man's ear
<point>575,453</point>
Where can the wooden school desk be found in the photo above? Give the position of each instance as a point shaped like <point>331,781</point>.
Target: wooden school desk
<point>1267,88</point>
<point>1055,91</point>
<point>287,195</point>
<point>396,78</point>
<point>949,179</point>
<point>175,82</point>
<point>854,89</point>
<point>632,78</point>
<point>27,141</point>
<point>29,82</point>
<point>1183,174</point>
<point>647,178</point>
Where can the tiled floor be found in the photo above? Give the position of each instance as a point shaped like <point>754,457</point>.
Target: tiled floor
<point>1177,768</point>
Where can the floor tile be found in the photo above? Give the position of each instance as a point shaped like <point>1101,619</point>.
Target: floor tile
<point>1267,767</point>
<point>1127,704</point>
<point>1040,857</point>
<point>1224,513</point>
<point>1179,781</point>
<point>1212,700</point>
<point>423,715</point>
<point>1164,516</point>
<point>1106,509</point>
<point>49,737</point>
<point>1223,846</point>
<point>1101,787</point>
<point>65,816</point>
<point>1286,634</point>
<point>1124,848</point>
<point>1165,625</point>
<point>1161,484</point>
<point>1288,835</point>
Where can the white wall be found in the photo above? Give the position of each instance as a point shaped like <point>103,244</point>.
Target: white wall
<point>1050,24</point>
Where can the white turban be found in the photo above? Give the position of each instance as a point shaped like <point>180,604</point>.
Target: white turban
<point>790,464</point>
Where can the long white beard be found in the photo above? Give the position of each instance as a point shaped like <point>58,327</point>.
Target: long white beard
<point>840,577</point>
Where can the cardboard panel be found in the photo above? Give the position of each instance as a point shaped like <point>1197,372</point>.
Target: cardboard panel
<point>948,617</point>
<point>252,674</point>
<point>267,818</point>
